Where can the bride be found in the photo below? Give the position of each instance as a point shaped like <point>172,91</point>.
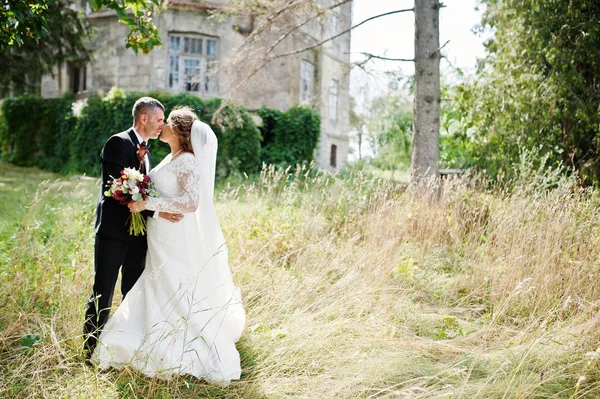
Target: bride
<point>184,314</point>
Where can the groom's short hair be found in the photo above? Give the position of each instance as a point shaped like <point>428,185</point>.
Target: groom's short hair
<point>144,105</point>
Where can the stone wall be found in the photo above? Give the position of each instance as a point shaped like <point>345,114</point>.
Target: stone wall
<point>334,65</point>
<point>275,86</point>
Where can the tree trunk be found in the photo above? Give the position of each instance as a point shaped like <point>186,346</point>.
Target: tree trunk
<point>360,135</point>
<point>426,153</point>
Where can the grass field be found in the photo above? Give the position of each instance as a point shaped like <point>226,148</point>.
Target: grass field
<point>354,288</point>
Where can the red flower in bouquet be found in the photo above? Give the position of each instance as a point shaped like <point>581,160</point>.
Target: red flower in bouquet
<point>129,187</point>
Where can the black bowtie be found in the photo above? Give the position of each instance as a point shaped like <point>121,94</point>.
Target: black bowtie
<point>145,145</point>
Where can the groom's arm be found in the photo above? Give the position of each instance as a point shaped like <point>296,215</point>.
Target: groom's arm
<point>114,158</point>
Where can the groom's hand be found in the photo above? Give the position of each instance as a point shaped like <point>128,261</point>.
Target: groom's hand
<point>171,217</point>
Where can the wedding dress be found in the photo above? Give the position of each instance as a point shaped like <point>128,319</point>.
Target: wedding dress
<point>184,314</point>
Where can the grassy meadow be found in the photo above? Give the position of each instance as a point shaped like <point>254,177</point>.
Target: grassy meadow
<point>354,287</point>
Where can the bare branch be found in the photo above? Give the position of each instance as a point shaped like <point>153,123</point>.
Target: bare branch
<point>269,59</point>
<point>362,66</point>
<point>279,22</point>
<point>285,35</point>
<point>449,62</point>
<point>270,18</point>
<point>341,33</point>
<point>439,48</point>
<point>370,56</point>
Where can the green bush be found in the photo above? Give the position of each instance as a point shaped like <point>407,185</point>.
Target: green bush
<point>94,126</point>
<point>239,146</point>
<point>290,137</point>
<point>50,134</point>
<point>33,131</point>
<point>46,133</point>
<point>3,132</point>
<point>23,116</point>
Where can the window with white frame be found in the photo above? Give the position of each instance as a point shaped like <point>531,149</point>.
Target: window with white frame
<point>333,100</point>
<point>192,63</point>
<point>307,74</point>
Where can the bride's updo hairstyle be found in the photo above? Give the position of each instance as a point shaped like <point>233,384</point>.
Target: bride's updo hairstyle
<point>181,120</point>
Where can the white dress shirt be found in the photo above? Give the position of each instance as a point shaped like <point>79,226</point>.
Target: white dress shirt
<point>140,139</point>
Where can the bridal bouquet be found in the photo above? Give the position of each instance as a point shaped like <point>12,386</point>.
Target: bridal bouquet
<point>132,186</point>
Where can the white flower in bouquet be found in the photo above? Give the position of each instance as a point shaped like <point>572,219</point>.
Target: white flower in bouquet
<point>134,175</point>
<point>132,185</point>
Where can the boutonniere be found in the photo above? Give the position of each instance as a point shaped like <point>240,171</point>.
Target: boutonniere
<point>141,152</point>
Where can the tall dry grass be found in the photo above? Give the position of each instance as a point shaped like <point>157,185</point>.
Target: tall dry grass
<point>354,287</point>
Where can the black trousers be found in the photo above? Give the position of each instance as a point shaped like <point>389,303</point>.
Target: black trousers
<point>110,255</point>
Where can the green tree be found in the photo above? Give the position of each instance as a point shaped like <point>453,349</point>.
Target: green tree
<point>455,143</point>
<point>137,15</point>
<point>36,50</point>
<point>390,120</point>
<point>21,21</point>
<point>539,87</point>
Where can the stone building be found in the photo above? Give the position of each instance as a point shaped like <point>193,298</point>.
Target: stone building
<point>194,44</point>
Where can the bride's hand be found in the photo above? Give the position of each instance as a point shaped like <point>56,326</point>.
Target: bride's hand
<point>171,217</point>
<point>137,206</point>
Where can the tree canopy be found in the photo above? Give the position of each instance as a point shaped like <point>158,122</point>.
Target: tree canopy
<point>22,21</point>
<point>34,48</point>
<point>38,35</point>
<point>539,87</point>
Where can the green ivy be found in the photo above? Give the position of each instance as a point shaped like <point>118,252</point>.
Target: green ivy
<point>32,131</point>
<point>49,134</point>
<point>19,144</point>
<point>289,137</point>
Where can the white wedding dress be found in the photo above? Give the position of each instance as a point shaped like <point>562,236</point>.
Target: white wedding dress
<point>184,314</point>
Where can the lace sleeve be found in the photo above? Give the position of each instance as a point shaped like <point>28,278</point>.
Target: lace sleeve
<point>188,177</point>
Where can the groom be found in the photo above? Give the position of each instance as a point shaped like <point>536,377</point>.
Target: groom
<point>114,247</point>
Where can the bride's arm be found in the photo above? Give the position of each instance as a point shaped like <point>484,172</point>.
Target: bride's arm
<point>189,179</point>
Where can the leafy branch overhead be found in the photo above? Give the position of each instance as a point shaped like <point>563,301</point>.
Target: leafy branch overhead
<point>20,20</point>
<point>23,21</point>
<point>35,38</point>
<point>137,14</point>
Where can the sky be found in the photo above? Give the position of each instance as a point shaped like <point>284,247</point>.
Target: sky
<point>393,36</point>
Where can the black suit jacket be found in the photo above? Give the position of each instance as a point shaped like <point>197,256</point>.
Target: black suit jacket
<point>119,152</point>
